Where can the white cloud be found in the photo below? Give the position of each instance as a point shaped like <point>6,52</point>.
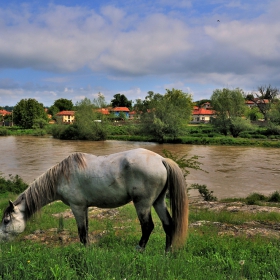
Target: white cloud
<point>165,39</point>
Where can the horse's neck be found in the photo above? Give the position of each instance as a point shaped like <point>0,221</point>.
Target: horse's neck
<point>34,203</point>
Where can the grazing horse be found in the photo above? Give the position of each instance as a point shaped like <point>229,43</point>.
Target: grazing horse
<point>83,180</point>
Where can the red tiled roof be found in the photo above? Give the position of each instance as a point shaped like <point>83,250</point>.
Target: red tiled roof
<point>202,111</point>
<point>66,113</point>
<point>103,111</point>
<point>4,112</point>
<point>120,109</point>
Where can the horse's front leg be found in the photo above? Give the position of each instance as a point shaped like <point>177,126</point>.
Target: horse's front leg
<point>81,216</point>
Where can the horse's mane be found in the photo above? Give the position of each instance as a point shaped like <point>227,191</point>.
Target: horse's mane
<point>43,189</point>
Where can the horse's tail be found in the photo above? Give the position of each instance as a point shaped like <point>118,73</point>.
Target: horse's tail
<point>178,201</point>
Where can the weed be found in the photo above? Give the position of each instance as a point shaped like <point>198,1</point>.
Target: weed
<point>204,192</point>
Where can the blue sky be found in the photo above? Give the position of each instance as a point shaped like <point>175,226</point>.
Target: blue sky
<point>76,49</point>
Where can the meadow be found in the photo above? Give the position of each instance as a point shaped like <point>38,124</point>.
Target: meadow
<point>56,253</point>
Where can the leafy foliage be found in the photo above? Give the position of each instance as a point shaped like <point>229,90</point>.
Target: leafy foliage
<point>163,115</point>
<point>120,100</point>
<point>184,162</point>
<point>85,126</point>
<point>228,104</point>
<point>238,124</point>
<point>59,105</point>
<point>264,98</point>
<point>14,184</point>
<point>204,192</point>
<point>27,111</point>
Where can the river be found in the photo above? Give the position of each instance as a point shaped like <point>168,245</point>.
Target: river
<point>231,171</point>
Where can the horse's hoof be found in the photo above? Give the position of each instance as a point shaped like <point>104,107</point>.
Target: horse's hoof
<point>140,249</point>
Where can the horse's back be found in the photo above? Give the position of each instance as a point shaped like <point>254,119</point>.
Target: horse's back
<point>116,179</point>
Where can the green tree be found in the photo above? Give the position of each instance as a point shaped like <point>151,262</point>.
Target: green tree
<point>165,115</point>
<point>85,126</point>
<point>120,100</point>
<point>59,105</point>
<point>27,111</point>
<point>238,124</point>
<point>264,98</point>
<point>100,101</point>
<point>274,113</point>
<point>228,104</point>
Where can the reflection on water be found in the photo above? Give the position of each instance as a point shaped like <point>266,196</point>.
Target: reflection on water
<point>231,171</point>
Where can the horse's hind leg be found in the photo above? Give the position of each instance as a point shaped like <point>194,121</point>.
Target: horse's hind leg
<point>166,220</point>
<point>147,225</point>
<point>81,216</point>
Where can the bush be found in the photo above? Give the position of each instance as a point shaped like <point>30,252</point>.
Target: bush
<point>4,131</point>
<point>274,197</point>
<point>14,185</point>
<point>204,192</point>
<point>245,134</point>
<point>253,198</point>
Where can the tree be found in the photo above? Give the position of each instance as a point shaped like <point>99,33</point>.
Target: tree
<point>27,111</point>
<point>264,98</point>
<point>274,113</point>
<point>64,104</point>
<point>227,104</point>
<point>163,115</point>
<point>85,126</point>
<point>120,100</point>
<point>59,105</point>
<point>202,101</point>
<point>100,101</point>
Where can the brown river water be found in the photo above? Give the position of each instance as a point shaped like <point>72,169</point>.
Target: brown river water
<point>231,171</point>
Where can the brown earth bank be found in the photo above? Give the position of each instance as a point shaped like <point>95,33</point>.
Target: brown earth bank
<point>55,236</point>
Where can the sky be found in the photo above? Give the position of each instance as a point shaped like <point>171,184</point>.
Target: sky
<point>75,49</point>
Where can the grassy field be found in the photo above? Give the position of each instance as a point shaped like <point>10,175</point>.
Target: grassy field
<point>112,255</point>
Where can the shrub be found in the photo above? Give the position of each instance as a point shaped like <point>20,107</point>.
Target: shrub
<point>14,184</point>
<point>204,192</point>
<point>253,198</point>
<point>245,134</point>
<point>274,197</point>
<point>4,131</point>
<point>259,136</point>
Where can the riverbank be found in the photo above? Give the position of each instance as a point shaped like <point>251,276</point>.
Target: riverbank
<point>194,135</point>
<point>204,140</point>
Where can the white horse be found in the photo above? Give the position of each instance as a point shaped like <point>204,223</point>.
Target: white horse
<point>82,180</point>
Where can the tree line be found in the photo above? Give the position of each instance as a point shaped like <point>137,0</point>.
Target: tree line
<point>158,115</point>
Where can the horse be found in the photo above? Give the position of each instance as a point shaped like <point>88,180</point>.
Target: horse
<point>82,180</point>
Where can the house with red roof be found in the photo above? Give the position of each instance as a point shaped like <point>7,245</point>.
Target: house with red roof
<point>202,115</point>
<point>118,110</point>
<point>103,111</point>
<point>4,113</point>
<point>65,117</point>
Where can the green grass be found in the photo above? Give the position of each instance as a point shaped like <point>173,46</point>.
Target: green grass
<point>205,256</point>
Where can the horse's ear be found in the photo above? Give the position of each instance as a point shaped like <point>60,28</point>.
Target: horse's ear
<point>11,205</point>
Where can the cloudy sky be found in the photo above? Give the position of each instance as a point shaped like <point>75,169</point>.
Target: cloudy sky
<point>76,48</point>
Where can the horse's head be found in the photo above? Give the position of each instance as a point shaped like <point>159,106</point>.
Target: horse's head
<point>13,221</point>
